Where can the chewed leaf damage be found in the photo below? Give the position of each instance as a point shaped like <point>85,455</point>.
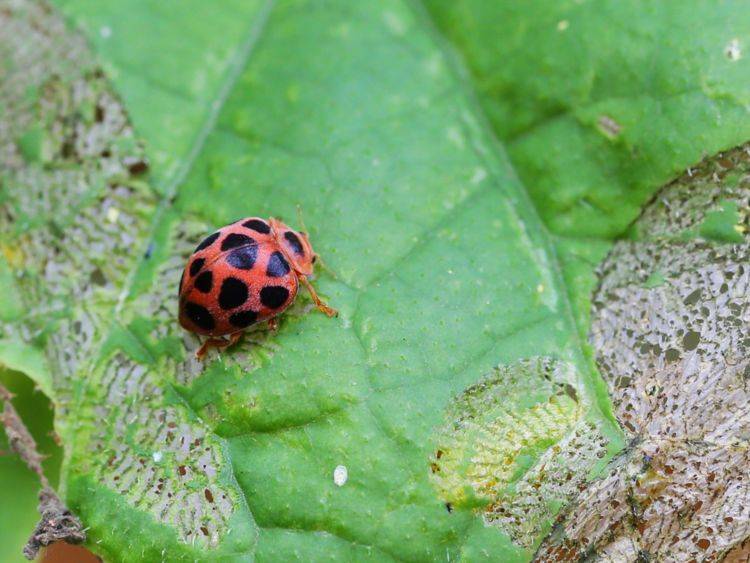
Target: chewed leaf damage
<point>670,334</point>
<point>75,212</point>
<point>513,443</point>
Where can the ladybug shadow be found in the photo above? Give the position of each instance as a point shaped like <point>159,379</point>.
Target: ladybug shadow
<point>256,343</point>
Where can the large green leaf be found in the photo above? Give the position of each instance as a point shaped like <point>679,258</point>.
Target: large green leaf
<point>444,269</point>
<point>599,102</point>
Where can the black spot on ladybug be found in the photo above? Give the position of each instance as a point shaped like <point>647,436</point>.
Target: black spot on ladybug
<point>233,293</point>
<point>233,240</point>
<point>294,241</point>
<point>204,282</point>
<point>208,241</point>
<point>199,315</point>
<point>243,318</point>
<point>244,257</point>
<point>257,225</point>
<point>277,265</point>
<point>273,296</point>
<point>196,266</point>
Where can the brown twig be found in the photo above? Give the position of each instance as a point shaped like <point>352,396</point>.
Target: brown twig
<point>57,522</point>
<point>20,439</point>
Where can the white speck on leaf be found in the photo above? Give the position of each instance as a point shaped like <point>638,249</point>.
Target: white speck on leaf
<point>479,175</point>
<point>434,65</point>
<point>609,126</point>
<point>732,50</point>
<point>562,25</point>
<point>157,456</point>
<point>105,31</point>
<point>394,23</point>
<point>454,136</point>
<point>340,475</point>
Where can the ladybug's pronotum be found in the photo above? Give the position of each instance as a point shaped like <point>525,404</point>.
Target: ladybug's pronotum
<point>243,274</point>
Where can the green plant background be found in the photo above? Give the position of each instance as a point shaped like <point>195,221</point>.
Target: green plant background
<point>462,168</point>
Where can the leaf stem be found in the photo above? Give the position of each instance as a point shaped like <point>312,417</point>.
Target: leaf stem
<point>57,523</point>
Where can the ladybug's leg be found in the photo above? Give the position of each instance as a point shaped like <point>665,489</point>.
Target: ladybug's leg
<point>273,324</point>
<point>234,338</point>
<point>318,303</point>
<point>218,343</point>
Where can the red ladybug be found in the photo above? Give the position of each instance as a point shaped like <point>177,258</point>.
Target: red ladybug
<point>243,274</point>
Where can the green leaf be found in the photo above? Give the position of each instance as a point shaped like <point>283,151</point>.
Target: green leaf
<point>446,263</point>
<point>598,103</point>
<point>723,224</point>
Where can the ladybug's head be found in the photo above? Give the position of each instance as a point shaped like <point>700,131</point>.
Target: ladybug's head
<point>296,247</point>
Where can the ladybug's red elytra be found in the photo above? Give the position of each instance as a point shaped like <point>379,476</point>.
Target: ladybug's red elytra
<point>243,274</point>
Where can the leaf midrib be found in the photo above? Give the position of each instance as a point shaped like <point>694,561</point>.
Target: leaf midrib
<point>463,77</point>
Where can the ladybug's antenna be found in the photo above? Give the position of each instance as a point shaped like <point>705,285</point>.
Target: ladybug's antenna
<point>318,260</point>
<point>323,266</point>
<point>300,220</point>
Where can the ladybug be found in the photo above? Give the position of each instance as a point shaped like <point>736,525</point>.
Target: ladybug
<point>241,275</point>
